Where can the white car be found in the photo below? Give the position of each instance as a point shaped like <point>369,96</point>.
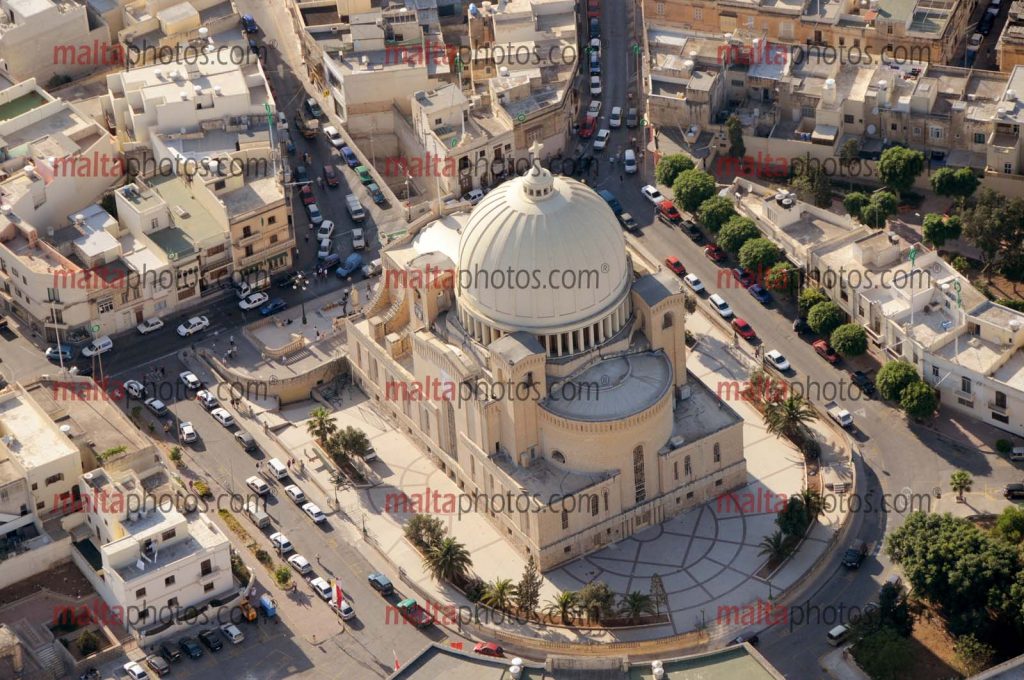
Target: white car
<point>334,137</point>
<point>322,588</point>
<point>777,361</point>
<point>344,610</point>
<point>595,86</point>
<point>693,283</point>
<point>135,389</point>
<point>720,306</point>
<point>601,139</point>
<point>222,417</point>
<point>190,381</point>
<point>314,512</point>
<point>98,346</point>
<point>135,671</point>
<point>253,300</point>
<point>974,42</point>
<point>652,194</point>
<point>232,633</point>
<point>156,406</point>
<point>594,108</point>
<point>326,248</point>
<point>300,564</point>
<point>187,432</point>
<point>258,485</point>
<point>193,326</point>
<point>326,230</point>
<point>615,120</point>
<point>296,494</point>
<point>281,542</point>
<point>206,399</point>
<point>595,46</point>
<point>150,325</point>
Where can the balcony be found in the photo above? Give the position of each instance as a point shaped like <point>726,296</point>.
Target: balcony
<point>247,240</point>
<point>965,397</point>
<point>993,406</point>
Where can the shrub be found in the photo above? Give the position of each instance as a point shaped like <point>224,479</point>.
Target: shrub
<point>670,167</point>
<point>262,556</point>
<point>691,188</point>
<point>1004,445</point>
<point>759,255</point>
<point>811,448</point>
<point>918,400</point>
<point>735,232</point>
<point>850,340</point>
<point>474,589</point>
<point>715,212</point>
<point>893,377</point>
<point>825,317</point>
<point>176,455</point>
<point>283,576</point>
<point>810,297</point>
<point>89,643</point>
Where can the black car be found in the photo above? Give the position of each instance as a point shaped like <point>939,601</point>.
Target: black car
<point>169,652</point>
<point>801,327</point>
<point>854,555</point>
<point>381,583</point>
<point>288,280</point>
<point>190,647</point>
<point>861,380</point>
<point>628,223</point>
<point>986,23</point>
<point>211,639</point>
<point>1012,491</point>
<point>300,174</point>
<point>693,230</point>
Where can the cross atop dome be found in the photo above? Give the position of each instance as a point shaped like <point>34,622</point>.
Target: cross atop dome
<point>534,152</point>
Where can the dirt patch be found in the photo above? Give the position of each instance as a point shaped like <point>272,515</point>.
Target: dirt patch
<point>65,579</point>
<point>932,647</point>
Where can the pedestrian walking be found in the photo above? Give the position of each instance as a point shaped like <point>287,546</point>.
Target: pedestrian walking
<point>320,182</point>
<point>231,339</point>
<point>621,177</point>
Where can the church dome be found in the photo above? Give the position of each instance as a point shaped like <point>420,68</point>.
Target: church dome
<point>545,255</point>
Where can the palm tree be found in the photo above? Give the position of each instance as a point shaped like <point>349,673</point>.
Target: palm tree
<point>774,546</point>
<point>565,605</point>
<point>635,604</point>
<point>499,594</point>
<point>321,425</point>
<point>961,481</point>
<point>789,416</point>
<point>448,560</point>
<point>813,502</point>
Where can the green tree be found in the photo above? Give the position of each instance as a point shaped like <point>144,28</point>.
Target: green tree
<point>636,604</point>
<point>809,297</point>
<point>961,265</point>
<point>499,594</point>
<point>321,425</point>
<point>774,546</point>
<point>899,167</point>
<point>89,643</point>
<point>448,560</point>
<point>918,400</point>
<point>528,589</point>
<point>424,531</point>
<point>1010,525</point>
<point>734,233</point>
<point>565,605</point>
<point>825,317</point>
<point>759,255</point>
<point>176,455</point>
<point>691,188</point>
<point>715,212</point>
<point>596,599</point>
<point>960,481</point>
<point>878,209</point>
<point>958,183</point>
<point>938,229</point>
<point>854,201</point>
<point>782,277</point>
<point>893,377</point>
<point>734,128</point>
<point>352,441</point>
<point>811,183</point>
<point>894,610</point>
<point>884,654</point>
<point>850,151</point>
<point>850,340</point>
<point>283,576</point>
<point>793,519</point>
<point>658,593</point>
<point>788,417</point>
<point>670,167</point>
<point>972,654</point>
<point>813,501</point>
<point>989,225</point>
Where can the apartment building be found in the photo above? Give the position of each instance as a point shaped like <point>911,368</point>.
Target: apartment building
<point>1010,45</point>
<point>154,32</point>
<point>920,30</point>
<point>147,558</point>
<point>913,305</point>
<point>50,39</point>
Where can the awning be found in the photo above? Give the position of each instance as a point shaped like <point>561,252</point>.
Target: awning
<point>824,133</point>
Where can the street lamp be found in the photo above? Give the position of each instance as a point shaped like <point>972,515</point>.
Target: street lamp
<point>301,282</point>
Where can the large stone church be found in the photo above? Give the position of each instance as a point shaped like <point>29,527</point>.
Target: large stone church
<point>565,411</point>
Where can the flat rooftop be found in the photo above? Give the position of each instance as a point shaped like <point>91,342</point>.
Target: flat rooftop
<point>1012,372</point>
<point>549,481</point>
<point>972,352</point>
<point>254,195</point>
<point>702,414</point>
<point>612,389</point>
<point>203,535</point>
<point>29,435</point>
<point>188,214</point>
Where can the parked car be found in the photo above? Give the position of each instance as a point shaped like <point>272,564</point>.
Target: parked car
<point>615,119</point>
<point>629,224</point>
<point>193,326</point>
<point>245,440</point>
<point>363,173</point>
<point>169,651</point>
<point>776,360</point>
<point>632,118</point>
<point>150,325</point>
<point>381,583</point>
<point>343,610</point>
<point>351,160</point>
<point>693,231</point>
<point>296,494</point>
<point>232,633</point>
<point>489,649</point>
<point>714,253</point>
<point>801,327</point>
<point>861,380</point>
<point>222,417</point>
<point>651,193</point>
<point>375,193</point>
<point>258,485</point>
<point>306,194</point>
<point>300,564</point>
<point>760,294</point>
<point>610,199</point>
<point>158,664</point>
<point>825,351</point>
<point>135,671</point>
<point>322,588</point>
<point>281,542</point>
<point>667,210</point>
<point>190,647</point>
<point>330,176</point>
<point>190,380</point>
<point>595,86</point>
<point>272,307</point>
<point>249,24</point>
<point>719,304</point>
<point>601,140</point>
<point>351,264</point>
<point>314,512</point>
<point>326,230</point>
<point>300,174</point>
<point>594,108</point>
<point>743,277</point>
<point>253,301</point>
<point>1012,491</point>
<point>744,329</point>
<point>206,398</point>
<point>156,407</point>
<point>334,137</point>
<point>673,263</point>
<point>58,353</point>
<point>587,128</point>
<point>315,217</point>
<point>694,283</point>
<point>854,555</point>
<point>210,638</point>
<point>313,108</point>
<point>187,432</point>
<point>134,389</point>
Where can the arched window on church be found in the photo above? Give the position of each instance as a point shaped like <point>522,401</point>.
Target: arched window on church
<point>639,482</point>
<point>557,457</point>
<point>666,321</point>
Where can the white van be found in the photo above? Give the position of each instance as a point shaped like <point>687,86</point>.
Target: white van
<point>98,346</point>
<point>256,513</point>
<point>355,208</point>
<point>1017,454</point>
<point>837,635</point>
<point>629,162</point>
<point>277,468</point>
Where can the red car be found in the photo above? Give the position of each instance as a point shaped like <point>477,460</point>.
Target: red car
<point>587,129</point>
<point>743,277</point>
<point>825,350</point>
<point>330,176</point>
<point>668,210</point>
<point>743,328</point>
<point>306,193</point>
<point>673,263</point>
<point>489,649</point>
<point>593,8</point>
<point>714,253</point>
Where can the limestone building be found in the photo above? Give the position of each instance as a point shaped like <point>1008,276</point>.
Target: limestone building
<point>572,400</point>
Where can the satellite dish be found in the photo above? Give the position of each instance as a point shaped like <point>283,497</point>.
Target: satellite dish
<point>872,129</point>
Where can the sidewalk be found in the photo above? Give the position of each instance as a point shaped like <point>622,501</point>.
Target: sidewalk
<point>841,666</point>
